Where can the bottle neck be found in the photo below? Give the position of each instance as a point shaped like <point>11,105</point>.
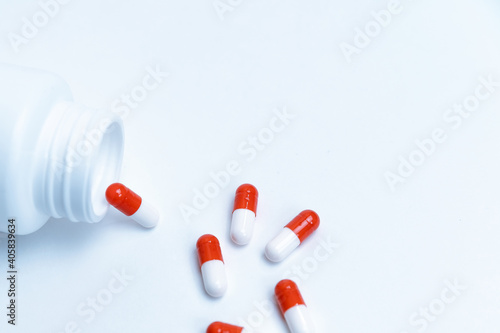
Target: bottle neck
<point>82,155</point>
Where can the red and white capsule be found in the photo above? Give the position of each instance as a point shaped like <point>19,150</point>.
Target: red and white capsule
<point>292,235</point>
<point>218,327</point>
<point>244,214</point>
<point>293,307</point>
<point>131,204</point>
<point>212,267</point>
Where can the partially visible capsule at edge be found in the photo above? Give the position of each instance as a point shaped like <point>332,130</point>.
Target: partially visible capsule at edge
<point>218,327</point>
<point>244,214</point>
<point>212,266</point>
<point>292,235</point>
<point>293,307</point>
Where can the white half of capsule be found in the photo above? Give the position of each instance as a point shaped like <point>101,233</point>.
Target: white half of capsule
<point>299,320</point>
<point>242,226</point>
<point>282,245</point>
<point>214,277</point>
<point>147,215</point>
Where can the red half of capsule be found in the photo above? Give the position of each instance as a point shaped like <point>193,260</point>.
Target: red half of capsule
<point>246,198</point>
<point>218,327</point>
<point>288,295</point>
<point>304,224</point>
<point>123,198</point>
<point>208,249</point>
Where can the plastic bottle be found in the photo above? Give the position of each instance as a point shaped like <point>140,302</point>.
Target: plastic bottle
<point>56,157</point>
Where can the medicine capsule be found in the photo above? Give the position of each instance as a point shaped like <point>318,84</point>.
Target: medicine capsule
<point>292,235</point>
<point>218,327</point>
<point>131,204</point>
<point>293,307</point>
<point>213,271</point>
<point>244,213</point>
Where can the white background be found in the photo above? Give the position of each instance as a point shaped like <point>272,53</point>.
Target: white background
<point>353,121</point>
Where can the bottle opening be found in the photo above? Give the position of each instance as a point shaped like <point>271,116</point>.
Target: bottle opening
<point>106,167</point>
<point>83,156</point>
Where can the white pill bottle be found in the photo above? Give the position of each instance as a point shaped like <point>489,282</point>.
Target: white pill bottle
<point>56,157</point>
